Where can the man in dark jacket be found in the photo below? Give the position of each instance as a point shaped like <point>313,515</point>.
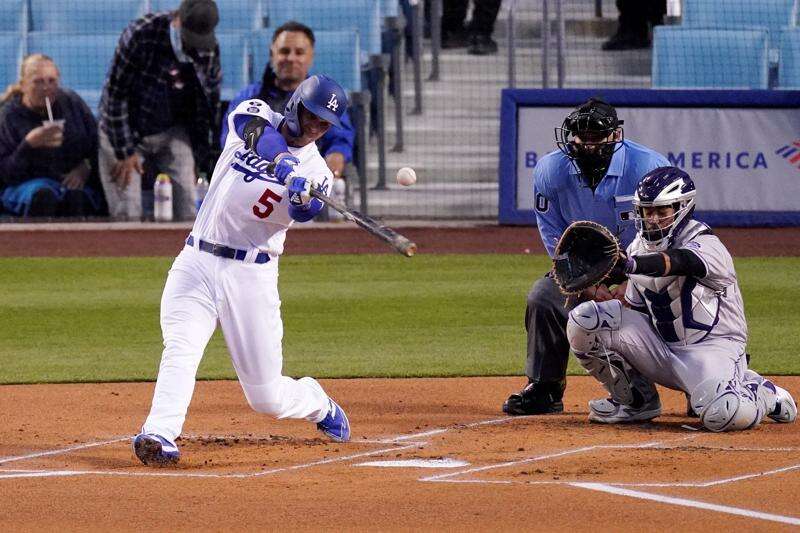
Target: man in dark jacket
<point>159,104</point>
<point>291,57</point>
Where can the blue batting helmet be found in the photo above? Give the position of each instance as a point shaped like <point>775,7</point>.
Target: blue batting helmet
<point>663,186</point>
<point>321,96</point>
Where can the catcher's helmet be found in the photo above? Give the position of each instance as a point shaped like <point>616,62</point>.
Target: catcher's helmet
<point>321,96</point>
<point>588,137</point>
<point>663,186</point>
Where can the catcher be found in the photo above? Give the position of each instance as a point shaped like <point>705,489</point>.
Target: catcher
<point>591,177</point>
<point>685,328</point>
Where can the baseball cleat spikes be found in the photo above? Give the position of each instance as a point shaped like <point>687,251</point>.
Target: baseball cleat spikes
<point>335,424</point>
<point>155,450</point>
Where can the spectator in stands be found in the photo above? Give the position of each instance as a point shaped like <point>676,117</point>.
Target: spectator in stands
<point>159,104</point>
<point>45,165</point>
<point>291,56</point>
<point>477,34</point>
<point>636,19</point>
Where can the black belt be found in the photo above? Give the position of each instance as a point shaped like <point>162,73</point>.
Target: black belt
<point>226,251</point>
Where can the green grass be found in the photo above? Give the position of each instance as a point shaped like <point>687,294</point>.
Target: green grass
<point>65,320</point>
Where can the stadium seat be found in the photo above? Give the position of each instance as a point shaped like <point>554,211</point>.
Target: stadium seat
<point>335,55</point>
<point>770,14</point>
<point>363,15</point>
<point>10,58</point>
<point>13,15</point>
<point>789,62</point>
<point>390,8</point>
<point>710,58</point>
<point>84,16</point>
<point>233,14</point>
<point>234,58</point>
<point>82,59</point>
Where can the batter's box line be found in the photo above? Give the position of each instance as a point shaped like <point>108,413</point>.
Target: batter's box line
<point>407,441</point>
<point>572,451</point>
<point>399,442</point>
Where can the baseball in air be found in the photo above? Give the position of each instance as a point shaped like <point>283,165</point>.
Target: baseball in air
<point>406,176</point>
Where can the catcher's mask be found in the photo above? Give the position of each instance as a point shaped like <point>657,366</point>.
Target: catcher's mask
<point>321,96</point>
<point>663,186</point>
<point>589,138</point>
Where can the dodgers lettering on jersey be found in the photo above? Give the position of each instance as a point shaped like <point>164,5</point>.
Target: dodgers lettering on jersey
<point>685,310</point>
<point>561,198</point>
<point>245,208</point>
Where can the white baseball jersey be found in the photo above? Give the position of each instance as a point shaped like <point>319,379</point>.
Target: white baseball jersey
<point>685,310</point>
<point>245,208</point>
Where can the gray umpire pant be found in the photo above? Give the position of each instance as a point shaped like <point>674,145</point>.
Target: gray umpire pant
<point>169,152</point>
<point>546,322</point>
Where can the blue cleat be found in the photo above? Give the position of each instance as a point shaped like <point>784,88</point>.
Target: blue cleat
<point>335,424</point>
<point>155,450</point>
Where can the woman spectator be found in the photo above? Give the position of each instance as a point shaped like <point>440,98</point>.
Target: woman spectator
<point>48,140</point>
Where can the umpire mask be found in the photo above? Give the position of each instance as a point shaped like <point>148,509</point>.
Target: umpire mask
<point>589,138</point>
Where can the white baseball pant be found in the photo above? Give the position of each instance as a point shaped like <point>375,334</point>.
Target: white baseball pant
<point>202,289</point>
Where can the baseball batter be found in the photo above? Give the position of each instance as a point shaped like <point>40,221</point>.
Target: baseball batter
<point>686,327</point>
<point>228,270</point>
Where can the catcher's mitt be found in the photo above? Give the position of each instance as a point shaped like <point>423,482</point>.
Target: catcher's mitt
<point>585,255</point>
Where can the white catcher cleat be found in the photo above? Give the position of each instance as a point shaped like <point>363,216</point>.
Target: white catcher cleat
<point>609,411</point>
<point>785,408</point>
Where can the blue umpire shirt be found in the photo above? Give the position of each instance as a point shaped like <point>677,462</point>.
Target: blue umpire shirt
<point>561,197</point>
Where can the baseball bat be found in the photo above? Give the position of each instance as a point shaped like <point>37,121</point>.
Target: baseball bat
<point>372,226</point>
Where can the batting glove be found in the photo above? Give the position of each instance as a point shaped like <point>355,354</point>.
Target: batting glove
<point>285,168</point>
<point>299,191</point>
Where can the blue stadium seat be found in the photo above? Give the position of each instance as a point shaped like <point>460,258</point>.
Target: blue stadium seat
<point>233,14</point>
<point>710,58</point>
<point>390,8</point>
<point>363,15</point>
<point>335,55</point>
<point>771,14</point>
<point>13,15</point>
<point>82,59</point>
<point>10,58</point>
<point>84,16</point>
<point>789,62</point>
<point>234,57</point>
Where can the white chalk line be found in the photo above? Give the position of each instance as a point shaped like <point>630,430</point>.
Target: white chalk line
<point>439,431</point>
<point>390,440</point>
<point>151,473</point>
<point>572,451</point>
<point>684,502</point>
<point>61,450</point>
<point>617,488</point>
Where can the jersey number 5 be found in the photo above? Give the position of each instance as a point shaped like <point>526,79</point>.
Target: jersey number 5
<point>268,205</point>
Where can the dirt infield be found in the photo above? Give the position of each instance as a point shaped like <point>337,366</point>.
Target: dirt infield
<point>742,242</point>
<point>65,463</point>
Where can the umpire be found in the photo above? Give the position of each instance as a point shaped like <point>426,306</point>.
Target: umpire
<point>592,176</point>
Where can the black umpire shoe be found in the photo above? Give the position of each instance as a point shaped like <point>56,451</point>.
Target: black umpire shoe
<point>536,399</point>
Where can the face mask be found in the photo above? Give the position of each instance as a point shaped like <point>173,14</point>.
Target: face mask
<point>177,45</point>
<point>594,165</point>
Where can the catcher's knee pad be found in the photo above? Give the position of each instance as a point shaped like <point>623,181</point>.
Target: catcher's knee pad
<point>587,322</point>
<point>726,405</point>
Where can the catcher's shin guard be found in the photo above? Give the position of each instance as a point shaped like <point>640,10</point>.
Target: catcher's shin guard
<point>588,324</point>
<point>729,404</point>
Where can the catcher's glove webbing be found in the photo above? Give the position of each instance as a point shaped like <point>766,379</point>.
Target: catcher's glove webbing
<point>585,256</point>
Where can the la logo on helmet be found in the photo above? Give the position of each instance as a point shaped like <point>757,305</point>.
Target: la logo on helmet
<point>333,103</point>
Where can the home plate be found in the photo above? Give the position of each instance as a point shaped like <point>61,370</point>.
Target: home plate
<point>417,463</point>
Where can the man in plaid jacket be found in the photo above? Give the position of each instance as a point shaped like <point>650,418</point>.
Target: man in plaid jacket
<point>158,105</point>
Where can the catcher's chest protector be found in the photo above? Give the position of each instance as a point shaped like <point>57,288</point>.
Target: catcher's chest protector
<point>684,310</point>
